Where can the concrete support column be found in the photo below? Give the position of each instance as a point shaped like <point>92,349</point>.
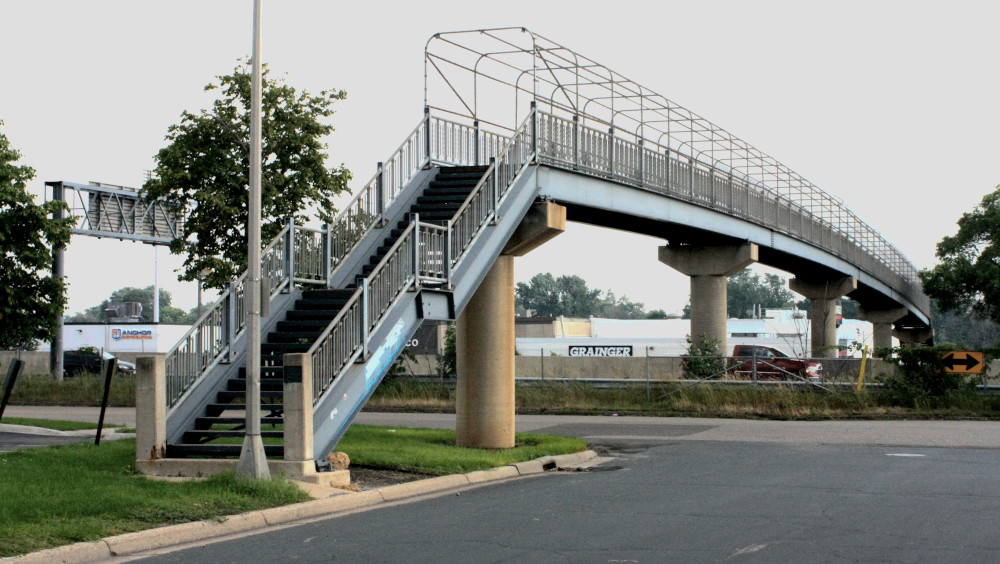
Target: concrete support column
<point>823,296</point>
<point>914,335</point>
<point>484,407</point>
<point>298,407</point>
<point>484,410</point>
<point>150,408</point>
<point>882,320</point>
<point>708,267</point>
<point>709,310</point>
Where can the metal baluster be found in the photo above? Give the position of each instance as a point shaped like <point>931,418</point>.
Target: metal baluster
<point>427,137</point>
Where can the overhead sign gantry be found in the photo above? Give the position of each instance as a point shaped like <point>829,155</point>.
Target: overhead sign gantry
<point>108,210</point>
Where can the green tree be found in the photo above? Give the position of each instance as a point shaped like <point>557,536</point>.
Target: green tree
<point>550,297</point>
<point>612,307</point>
<point>31,299</point>
<point>848,308</point>
<point>205,170</point>
<point>447,361</point>
<point>747,290</point>
<point>952,327</point>
<point>168,313</point>
<point>967,280</point>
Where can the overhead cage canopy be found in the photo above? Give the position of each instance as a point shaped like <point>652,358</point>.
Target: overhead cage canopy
<point>492,77</point>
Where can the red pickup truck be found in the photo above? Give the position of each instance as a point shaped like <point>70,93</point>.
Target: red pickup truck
<point>773,364</point>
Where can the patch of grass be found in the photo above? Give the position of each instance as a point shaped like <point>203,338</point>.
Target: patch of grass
<point>50,424</point>
<point>60,495</point>
<point>82,390</point>
<point>671,399</point>
<point>433,451</point>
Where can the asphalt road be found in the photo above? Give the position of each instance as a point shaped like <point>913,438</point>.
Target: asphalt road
<point>691,490</point>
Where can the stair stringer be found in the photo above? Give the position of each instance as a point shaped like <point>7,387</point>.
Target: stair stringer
<point>345,272</point>
<point>192,405</point>
<point>339,405</point>
<point>477,263</point>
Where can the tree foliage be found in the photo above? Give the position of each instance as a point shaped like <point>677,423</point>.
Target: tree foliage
<point>570,296</point>
<point>204,170</point>
<point>31,299</point>
<point>747,290</point>
<point>921,380</point>
<point>963,330</point>
<point>168,313</point>
<point>967,280</point>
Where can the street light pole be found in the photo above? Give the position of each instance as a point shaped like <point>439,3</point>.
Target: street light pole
<point>253,461</point>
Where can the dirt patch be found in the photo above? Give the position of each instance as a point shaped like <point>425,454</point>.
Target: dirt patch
<point>374,478</point>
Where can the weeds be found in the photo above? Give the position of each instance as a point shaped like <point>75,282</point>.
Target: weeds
<point>82,390</point>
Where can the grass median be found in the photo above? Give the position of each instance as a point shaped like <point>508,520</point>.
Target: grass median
<point>60,495</point>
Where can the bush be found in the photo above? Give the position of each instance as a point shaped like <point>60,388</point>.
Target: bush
<point>703,359</point>
<point>921,379</point>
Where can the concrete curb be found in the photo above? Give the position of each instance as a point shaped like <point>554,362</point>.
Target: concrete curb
<point>152,539</point>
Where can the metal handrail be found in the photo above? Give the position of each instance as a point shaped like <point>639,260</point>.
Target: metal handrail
<point>707,185</point>
<point>628,116</point>
<point>476,207</point>
<point>410,261</point>
<point>210,339</point>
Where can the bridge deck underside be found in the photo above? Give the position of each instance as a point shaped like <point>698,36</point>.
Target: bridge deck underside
<point>608,204</point>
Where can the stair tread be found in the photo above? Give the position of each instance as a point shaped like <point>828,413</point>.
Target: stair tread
<point>217,434</point>
<point>183,449</point>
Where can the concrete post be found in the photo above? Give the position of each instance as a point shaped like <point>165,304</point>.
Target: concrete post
<point>298,406</point>
<point>823,296</point>
<point>882,320</point>
<point>484,409</point>
<point>708,267</point>
<point>150,408</point>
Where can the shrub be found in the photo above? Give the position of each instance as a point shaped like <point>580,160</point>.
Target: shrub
<point>703,359</point>
<point>921,379</point>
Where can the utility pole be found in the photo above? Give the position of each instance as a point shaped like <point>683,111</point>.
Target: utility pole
<point>253,461</point>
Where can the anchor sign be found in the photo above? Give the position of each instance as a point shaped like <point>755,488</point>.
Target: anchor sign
<point>962,362</point>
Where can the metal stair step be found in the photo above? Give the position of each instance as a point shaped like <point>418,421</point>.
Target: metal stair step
<point>441,199</point>
<point>435,207</point>
<point>293,337</point>
<point>227,396</point>
<point>230,451</point>
<point>302,325</point>
<point>303,304</point>
<point>270,384</point>
<point>269,409</point>
<point>327,294</point>
<point>283,348</point>
<point>195,437</point>
<point>312,314</point>
<point>205,423</point>
<point>455,191</point>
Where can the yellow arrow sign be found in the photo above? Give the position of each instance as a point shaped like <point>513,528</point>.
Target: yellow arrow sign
<point>962,362</point>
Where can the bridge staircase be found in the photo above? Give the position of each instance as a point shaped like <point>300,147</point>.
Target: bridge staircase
<point>350,294</point>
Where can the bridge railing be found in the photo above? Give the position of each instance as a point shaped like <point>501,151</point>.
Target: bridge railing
<point>823,222</point>
<point>424,254</point>
<point>307,255</point>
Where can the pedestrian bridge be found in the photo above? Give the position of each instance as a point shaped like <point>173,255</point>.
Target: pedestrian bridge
<point>519,135</point>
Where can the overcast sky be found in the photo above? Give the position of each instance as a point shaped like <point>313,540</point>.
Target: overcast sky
<point>890,105</point>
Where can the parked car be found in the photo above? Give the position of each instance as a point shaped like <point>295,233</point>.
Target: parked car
<point>92,361</point>
<point>773,364</point>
